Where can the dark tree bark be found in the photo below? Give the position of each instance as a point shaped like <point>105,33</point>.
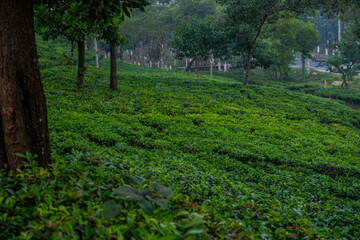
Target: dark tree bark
<point>81,65</point>
<point>344,83</point>
<point>189,66</point>
<point>24,125</point>
<point>113,79</point>
<point>250,50</point>
<point>2,146</point>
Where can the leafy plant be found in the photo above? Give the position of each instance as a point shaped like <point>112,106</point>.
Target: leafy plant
<point>145,199</point>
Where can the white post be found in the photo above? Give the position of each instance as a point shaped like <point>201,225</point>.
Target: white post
<point>150,63</point>
<point>186,62</point>
<point>170,67</point>
<point>318,49</point>
<point>326,51</point>
<point>96,53</point>
<point>225,67</point>
<point>211,67</point>
<point>139,64</point>
<point>219,65</point>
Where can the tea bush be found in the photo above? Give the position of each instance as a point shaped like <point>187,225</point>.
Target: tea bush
<point>243,162</point>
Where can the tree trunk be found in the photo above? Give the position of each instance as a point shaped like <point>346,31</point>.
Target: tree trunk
<point>189,66</point>
<point>344,83</point>
<point>81,65</point>
<point>303,68</point>
<point>24,125</point>
<point>251,47</point>
<point>2,147</point>
<point>96,53</point>
<point>113,79</point>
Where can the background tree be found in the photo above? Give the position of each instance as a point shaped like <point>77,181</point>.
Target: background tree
<point>111,34</point>
<point>66,19</point>
<point>147,32</point>
<point>307,38</point>
<point>244,20</point>
<point>197,39</point>
<point>348,62</point>
<point>282,37</point>
<point>23,113</point>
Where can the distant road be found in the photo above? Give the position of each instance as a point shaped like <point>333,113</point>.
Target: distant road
<point>313,65</point>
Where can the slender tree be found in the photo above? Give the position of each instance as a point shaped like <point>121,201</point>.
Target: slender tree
<point>245,19</point>
<point>110,33</point>
<point>197,39</point>
<point>307,38</point>
<point>66,19</point>
<point>347,63</point>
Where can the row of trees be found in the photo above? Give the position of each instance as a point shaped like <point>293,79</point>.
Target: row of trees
<point>267,34</point>
<point>237,34</point>
<point>69,20</point>
<point>23,125</point>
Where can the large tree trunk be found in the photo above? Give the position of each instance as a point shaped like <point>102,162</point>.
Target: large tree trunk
<point>81,65</point>
<point>113,79</point>
<point>24,125</point>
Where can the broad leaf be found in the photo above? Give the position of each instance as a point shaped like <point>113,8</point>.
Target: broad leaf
<point>161,190</point>
<point>136,179</point>
<point>128,193</point>
<point>111,209</point>
<point>161,202</point>
<point>146,207</point>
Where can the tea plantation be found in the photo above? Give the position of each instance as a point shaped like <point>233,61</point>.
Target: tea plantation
<point>242,162</point>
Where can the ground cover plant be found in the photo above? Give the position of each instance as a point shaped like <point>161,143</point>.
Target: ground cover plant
<point>254,162</point>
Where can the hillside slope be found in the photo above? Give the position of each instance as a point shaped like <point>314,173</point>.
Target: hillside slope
<point>243,162</point>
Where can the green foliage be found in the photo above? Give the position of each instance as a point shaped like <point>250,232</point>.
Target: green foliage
<point>109,31</point>
<point>282,36</point>
<point>242,162</point>
<point>63,19</point>
<point>143,197</point>
<point>307,38</point>
<point>197,39</point>
<point>347,63</point>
